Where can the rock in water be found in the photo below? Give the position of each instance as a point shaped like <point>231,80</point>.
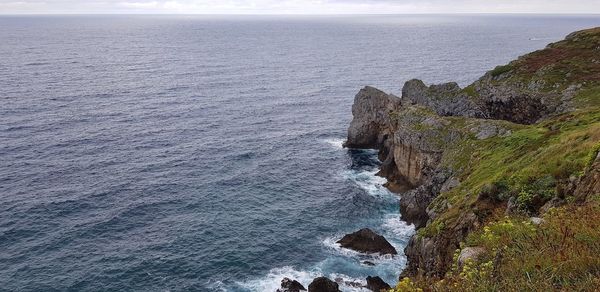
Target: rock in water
<point>323,284</point>
<point>377,284</point>
<point>289,285</point>
<point>365,240</point>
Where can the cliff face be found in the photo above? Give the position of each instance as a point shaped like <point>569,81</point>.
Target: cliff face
<point>521,140</point>
<point>530,88</point>
<point>371,124</point>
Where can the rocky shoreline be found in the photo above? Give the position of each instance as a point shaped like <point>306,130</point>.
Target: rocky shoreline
<point>420,134</point>
<point>514,146</point>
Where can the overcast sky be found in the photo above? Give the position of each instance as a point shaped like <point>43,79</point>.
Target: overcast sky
<point>298,6</point>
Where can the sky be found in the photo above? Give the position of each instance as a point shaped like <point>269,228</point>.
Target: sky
<point>296,6</point>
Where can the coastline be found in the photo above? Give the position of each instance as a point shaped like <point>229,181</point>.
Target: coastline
<point>461,157</point>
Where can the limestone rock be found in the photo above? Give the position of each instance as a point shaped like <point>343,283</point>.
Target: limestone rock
<point>414,203</point>
<point>445,99</point>
<point>371,118</point>
<point>536,220</point>
<point>469,253</point>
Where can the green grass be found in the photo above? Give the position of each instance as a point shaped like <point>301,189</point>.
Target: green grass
<point>561,254</point>
<point>499,70</point>
<point>530,165</point>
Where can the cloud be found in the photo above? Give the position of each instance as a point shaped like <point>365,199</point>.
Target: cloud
<point>299,6</point>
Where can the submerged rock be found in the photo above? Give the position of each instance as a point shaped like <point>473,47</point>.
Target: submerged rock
<point>323,284</point>
<point>289,285</point>
<point>365,240</point>
<point>377,284</point>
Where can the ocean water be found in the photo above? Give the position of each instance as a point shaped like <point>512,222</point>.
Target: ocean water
<point>180,153</point>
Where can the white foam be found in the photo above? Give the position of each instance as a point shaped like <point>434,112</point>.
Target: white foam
<point>272,281</point>
<point>393,225</point>
<point>368,181</point>
<point>346,260</point>
<point>217,286</point>
<point>331,244</point>
<point>344,280</point>
<point>336,142</point>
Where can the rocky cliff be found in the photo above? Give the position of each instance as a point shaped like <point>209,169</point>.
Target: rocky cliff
<point>519,142</point>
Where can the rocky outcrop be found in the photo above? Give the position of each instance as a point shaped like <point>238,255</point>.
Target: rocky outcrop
<point>414,203</point>
<point>432,256</point>
<point>289,285</point>
<point>371,124</point>
<point>323,284</point>
<point>377,284</point>
<point>417,133</point>
<point>589,184</point>
<point>367,241</point>
<point>446,99</point>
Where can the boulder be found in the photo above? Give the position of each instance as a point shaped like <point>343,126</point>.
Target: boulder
<point>377,284</point>
<point>367,241</point>
<point>289,285</point>
<point>536,220</point>
<point>469,253</point>
<point>323,284</point>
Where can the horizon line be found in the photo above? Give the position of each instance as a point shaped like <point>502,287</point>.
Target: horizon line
<point>296,14</point>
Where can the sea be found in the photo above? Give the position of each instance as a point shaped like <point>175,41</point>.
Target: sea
<point>204,153</point>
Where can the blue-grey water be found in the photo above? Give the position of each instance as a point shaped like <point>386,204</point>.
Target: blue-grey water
<point>155,153</point>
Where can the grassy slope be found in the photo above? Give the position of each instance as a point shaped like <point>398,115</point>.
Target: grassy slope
<point>529,167</point>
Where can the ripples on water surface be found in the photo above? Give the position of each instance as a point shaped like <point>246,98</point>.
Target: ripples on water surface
<point>203,153</point>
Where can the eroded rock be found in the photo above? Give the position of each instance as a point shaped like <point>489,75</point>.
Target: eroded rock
<point>446,99</point>
<point>367,241</point>
<point>371,118</point>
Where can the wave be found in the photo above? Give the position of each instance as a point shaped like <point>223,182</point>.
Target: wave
<point>272,281</point>
<point>347,267</point>
<point>336,142</point>
<point>369,181</point>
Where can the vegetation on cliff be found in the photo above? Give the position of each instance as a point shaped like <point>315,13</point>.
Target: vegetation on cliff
<point>507,180</point>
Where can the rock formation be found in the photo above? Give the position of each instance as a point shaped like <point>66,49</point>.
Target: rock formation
<point>289,285</point>
<point>433,141</point>
<point>371,125</point>
<point>376,284</point>
<point>323,284</point>
<point>367,241</point>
